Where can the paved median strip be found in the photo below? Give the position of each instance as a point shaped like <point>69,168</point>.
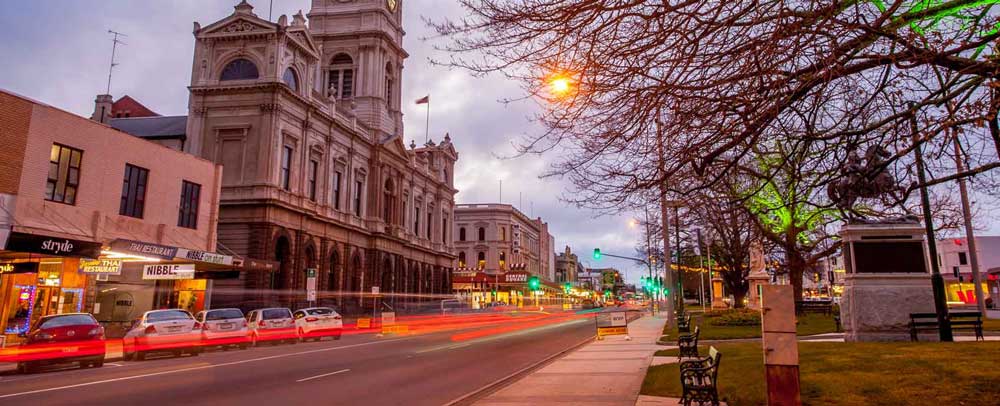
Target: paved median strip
<point>323,375</point>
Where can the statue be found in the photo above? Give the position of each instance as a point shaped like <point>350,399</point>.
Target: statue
<point>866,179</point>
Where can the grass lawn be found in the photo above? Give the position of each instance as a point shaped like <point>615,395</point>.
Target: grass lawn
<point>809,324</point>
<point>856,374</point>
<point>991,324</point>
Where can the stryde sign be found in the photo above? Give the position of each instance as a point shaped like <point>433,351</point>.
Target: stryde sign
<point>41,244</point>
<point>168,271</point>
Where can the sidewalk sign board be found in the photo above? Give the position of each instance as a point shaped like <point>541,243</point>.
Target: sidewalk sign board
<point>388,318</point>
<point>611,324</point>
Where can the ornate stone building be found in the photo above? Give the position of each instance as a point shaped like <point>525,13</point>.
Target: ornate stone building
<point>306,121</point>
<point>496,238</point>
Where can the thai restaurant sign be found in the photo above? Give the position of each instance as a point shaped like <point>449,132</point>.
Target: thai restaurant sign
<point>101,267</point>
<point>143,249</point>
<point>168,271</point>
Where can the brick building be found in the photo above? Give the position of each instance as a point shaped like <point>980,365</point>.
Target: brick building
<point>70,189</point>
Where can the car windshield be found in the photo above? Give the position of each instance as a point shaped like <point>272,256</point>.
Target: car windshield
<point>271,314</point>
<point>167,315</point>
<point>320,311</point>
<point>224,314</point>
<point>68,320</point>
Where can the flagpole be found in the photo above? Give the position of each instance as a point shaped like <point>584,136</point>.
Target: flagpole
<point>427,122</point>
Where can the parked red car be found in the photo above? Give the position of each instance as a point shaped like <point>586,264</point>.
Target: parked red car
<point>62,338</point>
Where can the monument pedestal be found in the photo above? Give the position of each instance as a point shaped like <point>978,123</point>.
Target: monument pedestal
<point>757,279</point>
<point>877,307</point>
<point>887,279</point>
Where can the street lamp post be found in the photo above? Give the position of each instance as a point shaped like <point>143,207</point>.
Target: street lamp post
<point>680,271</point>
<point>937,281</point>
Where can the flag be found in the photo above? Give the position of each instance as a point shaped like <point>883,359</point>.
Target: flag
<point>424,100</point>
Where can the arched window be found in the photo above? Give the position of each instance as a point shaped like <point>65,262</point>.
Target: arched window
<point>341,80</point>
<point>388,84</point>
<point>387,201</point>
<point>282,249</point>
<point>291,79</point>
<point>481,260</point>
<point>482,234</point>
<point>503,260</point>
<point>461,259</point>
<point>239,69</point>
<point>461,234</point>
<point>333,280</point>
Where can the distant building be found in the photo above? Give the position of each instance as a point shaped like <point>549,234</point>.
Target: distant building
<point>589,279</point>
<point>956,267</point>
<point>496,238</point>
<point>568,267</point>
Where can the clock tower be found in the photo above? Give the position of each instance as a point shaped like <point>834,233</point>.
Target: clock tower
<point>361,62</point>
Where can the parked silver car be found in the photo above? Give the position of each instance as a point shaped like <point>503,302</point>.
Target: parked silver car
<point>171,330</point>
<point>272,324</point>
<point>223,327</point>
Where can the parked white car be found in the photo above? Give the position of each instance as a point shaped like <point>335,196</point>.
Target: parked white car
<point>223,327</point>
<point>314,323</point>
<point>172,330</point>
<point>272,324</point>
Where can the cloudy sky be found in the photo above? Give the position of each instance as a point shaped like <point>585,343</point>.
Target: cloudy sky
<point>57,52</point>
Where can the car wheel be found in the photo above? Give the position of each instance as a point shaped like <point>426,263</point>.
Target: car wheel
<point>97,364</point>
<point>337,337</point>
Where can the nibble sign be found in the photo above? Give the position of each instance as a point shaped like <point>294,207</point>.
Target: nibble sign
<point>168,271</point>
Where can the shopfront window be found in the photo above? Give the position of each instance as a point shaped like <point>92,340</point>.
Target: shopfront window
<point>20,306</point>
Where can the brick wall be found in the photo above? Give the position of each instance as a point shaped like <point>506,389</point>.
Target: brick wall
<point>15,116</point>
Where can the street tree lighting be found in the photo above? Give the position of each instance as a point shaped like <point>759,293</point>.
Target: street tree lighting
<point>559,85</point>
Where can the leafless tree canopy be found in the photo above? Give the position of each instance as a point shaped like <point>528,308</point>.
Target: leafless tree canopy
<point>731,80</point>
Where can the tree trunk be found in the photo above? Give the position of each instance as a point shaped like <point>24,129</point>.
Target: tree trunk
<point>738,295</point>
<point>796,266</point>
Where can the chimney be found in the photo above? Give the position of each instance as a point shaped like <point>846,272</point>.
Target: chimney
<point>102,108</point>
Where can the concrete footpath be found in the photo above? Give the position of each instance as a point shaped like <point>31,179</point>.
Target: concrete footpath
<point>607,372</point>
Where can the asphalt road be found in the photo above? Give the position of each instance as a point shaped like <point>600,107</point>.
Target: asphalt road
<point>430,369</point>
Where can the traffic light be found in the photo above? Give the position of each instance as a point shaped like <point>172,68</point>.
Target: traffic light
<point>597,253</point>
<point>566,287</point>
<point>533,283</point>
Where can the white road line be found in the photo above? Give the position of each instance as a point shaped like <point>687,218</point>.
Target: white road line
<point>320,376</point>
<point>127,378</point>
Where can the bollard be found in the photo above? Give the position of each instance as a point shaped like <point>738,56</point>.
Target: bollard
<point>781,347</point>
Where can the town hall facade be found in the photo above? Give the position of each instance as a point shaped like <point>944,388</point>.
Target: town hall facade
<point>305,119</point>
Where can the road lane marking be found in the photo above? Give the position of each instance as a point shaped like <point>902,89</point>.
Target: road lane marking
<point>174,371</point>
<point>320,376</point>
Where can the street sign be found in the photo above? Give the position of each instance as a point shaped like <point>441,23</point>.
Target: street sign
<point>311,284</point>
<point>374,290</point>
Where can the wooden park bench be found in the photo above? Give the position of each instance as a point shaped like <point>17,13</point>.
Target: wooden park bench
<point>699,380</point>
<point>684,324</point>
<point>824,307</point>
<point>959,321</point>
<point>687,344</point>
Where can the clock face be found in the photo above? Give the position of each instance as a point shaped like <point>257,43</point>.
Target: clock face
<point>392,4</point>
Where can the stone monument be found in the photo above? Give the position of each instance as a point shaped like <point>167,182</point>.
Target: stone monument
<point>758,277</point>
<point>887,279</point>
